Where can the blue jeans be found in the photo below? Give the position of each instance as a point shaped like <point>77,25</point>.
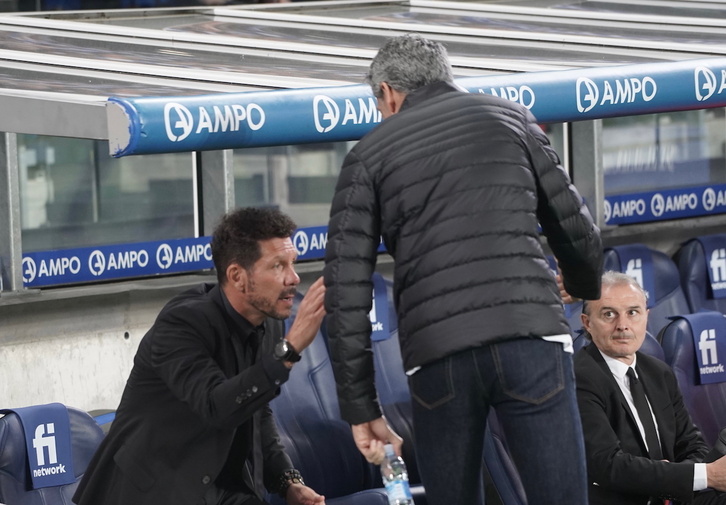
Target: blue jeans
<point>531,386</point>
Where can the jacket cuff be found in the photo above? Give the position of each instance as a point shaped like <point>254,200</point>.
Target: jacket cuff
<point>359,412</point>
<point>275,369</point>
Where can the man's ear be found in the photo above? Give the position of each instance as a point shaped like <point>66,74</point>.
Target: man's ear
<point>585,321</point>
<point>237,277</point>
<point>392,98</point>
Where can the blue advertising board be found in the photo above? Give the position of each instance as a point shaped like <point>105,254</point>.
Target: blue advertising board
<point>665,204</point>
<point>341,113</point>
<point>93,264</point>
<point>143,259</point>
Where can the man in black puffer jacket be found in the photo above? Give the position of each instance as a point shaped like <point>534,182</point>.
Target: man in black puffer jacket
<point>456,184</point>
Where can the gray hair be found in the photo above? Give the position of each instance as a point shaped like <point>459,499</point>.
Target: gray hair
<point>408,63</point>
<point>613,278</point>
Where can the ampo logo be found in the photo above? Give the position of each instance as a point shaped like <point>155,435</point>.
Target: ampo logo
<point>608,211</point>
<point>178,121</point>
<point>705,81</point>
<point>164,256</point>
<point>587,94</point>
<point>301,242</point>
<point>30,270</point>
<point>657,205</point>
<point>97,263</point>
<point>709,199</point>
<point>326,112</point>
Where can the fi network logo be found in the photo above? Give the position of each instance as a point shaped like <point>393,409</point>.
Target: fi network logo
<point>42,442</point>
<point>718,265</point>
<point>707,346</point>
<point>635,270</point>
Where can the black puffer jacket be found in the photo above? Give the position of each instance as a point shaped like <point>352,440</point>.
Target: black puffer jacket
<point>456,184</point>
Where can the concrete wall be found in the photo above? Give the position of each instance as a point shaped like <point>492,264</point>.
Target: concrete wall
<point>76,345</point>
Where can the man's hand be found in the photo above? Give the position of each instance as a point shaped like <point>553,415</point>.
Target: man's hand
<point>298,494</point>
<point>716,474</point>
<point>370,438</point>
<point>566,297</point>
<point>309,317</point>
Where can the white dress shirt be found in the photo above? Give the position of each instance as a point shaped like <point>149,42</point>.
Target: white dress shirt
<point>619,371</point>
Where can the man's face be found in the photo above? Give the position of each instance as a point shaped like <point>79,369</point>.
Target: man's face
<point>617,321</point>
<point>272,281</point>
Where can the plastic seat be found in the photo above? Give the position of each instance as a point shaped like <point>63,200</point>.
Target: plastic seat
<point>318,441</point>
<point>657,274</point>
<point>705,402</point>
<point>15,485</point>
<point>104,418</point>
<point>698,260</point>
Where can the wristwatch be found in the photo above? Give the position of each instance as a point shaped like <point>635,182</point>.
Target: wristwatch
<point>284,351</point>
<point>287,479</point>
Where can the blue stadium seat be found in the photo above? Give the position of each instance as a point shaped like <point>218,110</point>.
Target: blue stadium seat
<point>318,441</point>
<point>696,266</point>
<point>657,274</point>
<point>104,418</point>
<point>705,402</point>
<point>15,485</point>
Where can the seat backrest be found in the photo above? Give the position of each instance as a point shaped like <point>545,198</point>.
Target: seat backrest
<point>705,402</point>
<point>318,441</point>
<point>657,274</point>
<point>701,264</point>
<point>15,485</point>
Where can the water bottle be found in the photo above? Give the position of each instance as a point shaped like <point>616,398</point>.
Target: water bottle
<point>395,478</point>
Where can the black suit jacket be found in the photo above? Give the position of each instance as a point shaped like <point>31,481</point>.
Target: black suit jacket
<point>183,403</point>
<point>617,459</point>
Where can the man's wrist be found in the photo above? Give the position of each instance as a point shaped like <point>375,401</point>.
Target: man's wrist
<point>285,352</point>
<point>287,479</point>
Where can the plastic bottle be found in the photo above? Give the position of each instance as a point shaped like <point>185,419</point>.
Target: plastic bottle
<point>395,478</point>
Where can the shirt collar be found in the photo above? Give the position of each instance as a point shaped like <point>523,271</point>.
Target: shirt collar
<point>617,367</point>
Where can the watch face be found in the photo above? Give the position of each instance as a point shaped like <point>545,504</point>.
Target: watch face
<point>281,349</point>
<point>285,352</point>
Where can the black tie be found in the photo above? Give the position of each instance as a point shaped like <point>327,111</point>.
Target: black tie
<point>646,418</point>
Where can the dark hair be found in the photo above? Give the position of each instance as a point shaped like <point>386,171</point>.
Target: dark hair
<point>409,62</point>
<point>236,239</point>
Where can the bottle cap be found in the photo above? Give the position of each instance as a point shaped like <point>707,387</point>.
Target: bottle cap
<point>389,450</point>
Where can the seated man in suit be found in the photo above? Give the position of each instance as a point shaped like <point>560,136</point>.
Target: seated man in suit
<point>194,425</point>
<point>635,458</point>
